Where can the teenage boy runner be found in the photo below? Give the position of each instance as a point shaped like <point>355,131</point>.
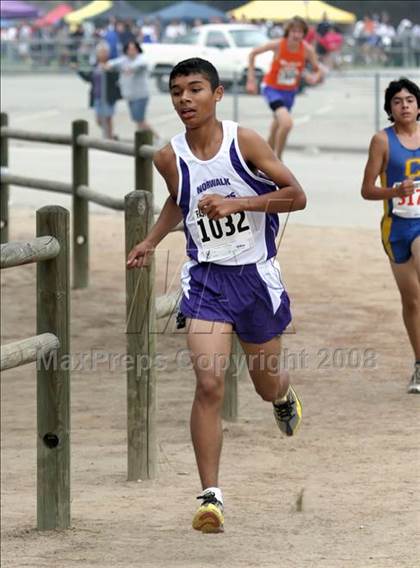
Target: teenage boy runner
<point>394,155</point>
<point>281,83</point>
<point>232,281</point>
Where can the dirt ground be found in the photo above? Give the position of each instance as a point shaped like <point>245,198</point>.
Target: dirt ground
<point>354,465</point>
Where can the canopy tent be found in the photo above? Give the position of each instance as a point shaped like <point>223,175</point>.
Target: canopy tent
<point>14,10</point>
<point>54,16</point>
<point>311,10</point>
<point>92,9</point>
<point>187,12</point>
<point>121,10</point>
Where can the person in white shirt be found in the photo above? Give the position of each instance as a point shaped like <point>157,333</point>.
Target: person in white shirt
<point>133,81</point>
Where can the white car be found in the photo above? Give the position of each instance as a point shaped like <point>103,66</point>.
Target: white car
<point>227,46</point>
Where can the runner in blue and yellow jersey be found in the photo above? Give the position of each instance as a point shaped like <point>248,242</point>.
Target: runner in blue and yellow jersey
<point>394,155</point>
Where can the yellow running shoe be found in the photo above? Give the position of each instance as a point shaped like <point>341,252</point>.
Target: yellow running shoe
<point>288,412</point>
<point>209,516</point>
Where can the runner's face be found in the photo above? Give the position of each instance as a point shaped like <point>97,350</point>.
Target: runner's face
<point>193,99</point>
<point>295,35</point>
<point>404,107</point>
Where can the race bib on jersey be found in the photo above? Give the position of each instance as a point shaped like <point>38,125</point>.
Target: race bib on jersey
<point>225,238</point>
<point>408,206</point>
<point>287,76</point>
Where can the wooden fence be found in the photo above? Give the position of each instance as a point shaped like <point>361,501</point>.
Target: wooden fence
<point>50,251</point>
<point>79,189</point>
<point>142,307</point>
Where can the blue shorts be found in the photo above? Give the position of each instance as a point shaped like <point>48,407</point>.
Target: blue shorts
<point>251,297</point>
<point>103,109</point>
<point>277,98</point>
<point>397,235</point>
<point>138,109</point>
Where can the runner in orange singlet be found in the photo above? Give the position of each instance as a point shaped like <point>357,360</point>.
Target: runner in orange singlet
<point>281,83</point>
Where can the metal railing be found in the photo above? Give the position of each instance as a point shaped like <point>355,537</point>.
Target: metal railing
<point>56,53</point>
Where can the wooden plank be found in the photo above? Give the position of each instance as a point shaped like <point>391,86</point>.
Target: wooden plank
<point>27,350</point>
<point>113,146</point>
<point>146,150</point>
<point>30,136</point>
<point>36,183</point>
<point>16,253</point>
<point>141,331</point>
<point>53,377</point>
<point>100,198</point>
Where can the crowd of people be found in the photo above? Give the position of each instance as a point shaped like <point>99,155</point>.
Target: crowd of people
<point>372,40</point>
<point>123,76</point>
<point>108,55</point>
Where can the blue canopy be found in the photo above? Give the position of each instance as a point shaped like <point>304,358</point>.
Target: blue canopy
<point>188,11</point>
<point>121,10</point>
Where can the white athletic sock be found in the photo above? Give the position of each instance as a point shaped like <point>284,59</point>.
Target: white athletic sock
<point>217,493</point>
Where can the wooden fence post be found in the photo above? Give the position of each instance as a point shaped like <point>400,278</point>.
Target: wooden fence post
<point>4,189</point>
<point>80,210</point>
<point>143,166</point>
<point>141,329</point>
<point>53,376</point>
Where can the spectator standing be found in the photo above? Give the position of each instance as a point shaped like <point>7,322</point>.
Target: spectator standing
<point>125,35</point>
<point>331,42</point>
<point>112,39</point>
<point>149,32</point>
<point>133,81</point>
<point>324,25</point>
<point>174,30</point>
<point>104,91</point>
<point>24,37</point>
<point>76,36</point>
<point>415,44</point>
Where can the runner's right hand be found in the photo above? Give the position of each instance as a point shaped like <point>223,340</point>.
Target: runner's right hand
<point>139,256</point>
<point>251,87</point>
<point>405,188</point>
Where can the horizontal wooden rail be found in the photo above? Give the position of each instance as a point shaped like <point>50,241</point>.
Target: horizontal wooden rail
<point>167,304</point>
<point>27,350</point>
<point>35,183</point>
<point>147,151</point>
<point>48,138</point>
<point>106,145</point>
<point>100,198</point>
<point>16,253</point>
